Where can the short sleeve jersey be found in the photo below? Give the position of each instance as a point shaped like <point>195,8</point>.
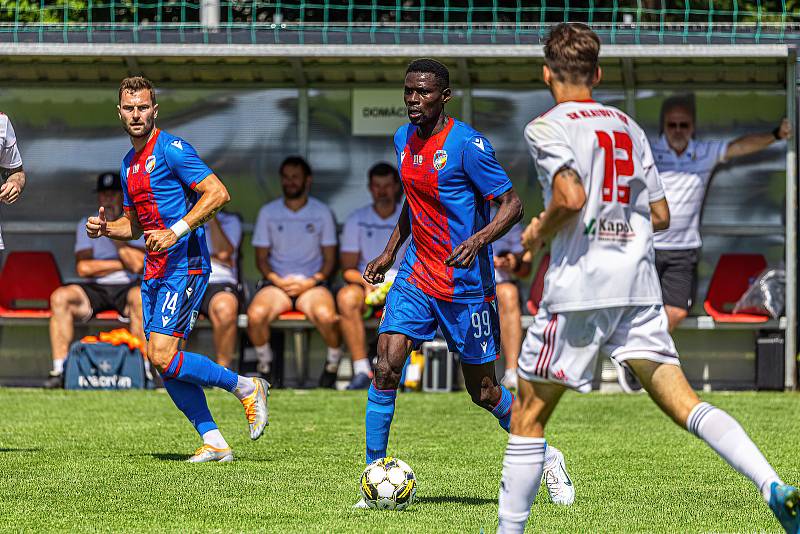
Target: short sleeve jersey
<point>159,183</point>
<point>365,233</point>
<point>231,225</point>
<point>604,257</point>
<point>685,179</point>
<point>449,180</point>
<point>511,242</point>
<point>295,238</point>
<point>103,248</point>
<point>10,157</point>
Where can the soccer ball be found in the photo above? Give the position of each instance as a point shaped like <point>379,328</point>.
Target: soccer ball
<point>388,484</point>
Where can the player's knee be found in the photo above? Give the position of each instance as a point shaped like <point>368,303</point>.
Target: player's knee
<point>134,300</point>
<point>507,295</point>
<point>160,359</point>
<point>486,395</point>
<point>386,375</point>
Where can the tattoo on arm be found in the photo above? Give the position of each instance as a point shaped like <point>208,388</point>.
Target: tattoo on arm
<point>207,218</point>
<point>570,174</point>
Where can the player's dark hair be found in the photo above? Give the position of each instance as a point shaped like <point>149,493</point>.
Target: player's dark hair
<point>571,52</point>
<point>383,169</point>
<point>682,100</point>
<point>134,84</point>
<point>431,66</point>
<point>297,161</point>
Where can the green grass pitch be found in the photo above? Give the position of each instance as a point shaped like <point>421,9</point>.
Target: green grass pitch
<point>113,461</point>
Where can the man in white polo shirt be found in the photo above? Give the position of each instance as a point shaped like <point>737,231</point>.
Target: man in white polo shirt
<point>221,301</point>
<point>295,242</point>
<point>111,269</point>
<point>686,165</point>
<point>364,237</point>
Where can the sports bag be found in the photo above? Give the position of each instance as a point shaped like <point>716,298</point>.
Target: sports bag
<point>104,366</point>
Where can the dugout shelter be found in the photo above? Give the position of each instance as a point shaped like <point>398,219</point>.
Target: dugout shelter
<point>478,70</point>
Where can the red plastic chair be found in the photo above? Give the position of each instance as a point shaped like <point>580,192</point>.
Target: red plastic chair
<point>27,280</point>
<point>537,287</point>
<point>732,276</point>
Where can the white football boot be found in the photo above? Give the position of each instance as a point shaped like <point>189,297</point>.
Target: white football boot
<point>207,453</point>
<point>256,408</point>
<point>555,476</point>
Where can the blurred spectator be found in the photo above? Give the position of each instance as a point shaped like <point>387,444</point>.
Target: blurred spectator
<point>686,166</point>
<point>509,265</point>
<point>295,242</point>
<point>222,298</point>
<point>112,270</point>
<point>365,234</point>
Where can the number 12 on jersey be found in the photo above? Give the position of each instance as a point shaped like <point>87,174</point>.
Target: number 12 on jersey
<point>614,168</point>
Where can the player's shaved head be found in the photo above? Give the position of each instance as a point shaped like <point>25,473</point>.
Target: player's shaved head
<point>431,66</point>
<point>134,84</point>
<point>571,52</point>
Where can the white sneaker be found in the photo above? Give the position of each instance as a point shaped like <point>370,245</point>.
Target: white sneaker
<point>361,504</point>
<point>558,483</point>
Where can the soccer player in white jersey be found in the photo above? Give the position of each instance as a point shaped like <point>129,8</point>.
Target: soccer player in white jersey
<point>601,293</point>
<point>11,171</point>
<point>685,165</point>
<point>365,234</point>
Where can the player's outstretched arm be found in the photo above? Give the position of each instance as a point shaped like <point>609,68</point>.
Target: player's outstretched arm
<point>509,213</point>
<point>567,201</point>
<point>378,267</point>
<point>749,144</point>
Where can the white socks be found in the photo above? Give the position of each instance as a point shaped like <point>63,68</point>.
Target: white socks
<point>723,434</point>
<point>522,473</point>
<point>361,366</point>
<point>58,365</point>
<point>264,355</point>
<point>332,361</point>
<point>215,439</point>
<point>244,387</point>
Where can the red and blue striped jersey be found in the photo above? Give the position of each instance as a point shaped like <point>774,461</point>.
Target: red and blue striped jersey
<point>158,183</point>
<point>449,180</point>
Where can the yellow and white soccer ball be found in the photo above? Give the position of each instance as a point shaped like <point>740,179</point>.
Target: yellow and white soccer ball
<point>388,484</point>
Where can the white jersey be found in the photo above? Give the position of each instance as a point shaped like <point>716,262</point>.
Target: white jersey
<point>103,248</point>
<point>511,241</point>
<point>604,257</point>
<point>366,234</point>
<point>222,273</point>
<point>10,157</point>
<point>295,238</point>
<point>685,180</point>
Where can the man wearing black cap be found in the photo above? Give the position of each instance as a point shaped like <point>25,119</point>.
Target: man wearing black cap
<point>111,269</point>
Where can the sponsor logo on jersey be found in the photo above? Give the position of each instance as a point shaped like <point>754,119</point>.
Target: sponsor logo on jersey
<point>418,159</point>
<point>603,229</point>
<point>440,159</point>
<point>479,143</point>
<point>150,164</point>
<point>164,320</point>
<point>177,144</point>
<point>135,168</point>
<point>402,156</point>
<point>484,345</point>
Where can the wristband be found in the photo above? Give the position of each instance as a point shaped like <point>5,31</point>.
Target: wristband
<point>776,133</point>
<point>180,228</point>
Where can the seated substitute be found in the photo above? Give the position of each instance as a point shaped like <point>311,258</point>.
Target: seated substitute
<point>222,298</point>
<point>364,236</point>
<point>295,242</point>
<point>510,264</point>
<point>112,270</point>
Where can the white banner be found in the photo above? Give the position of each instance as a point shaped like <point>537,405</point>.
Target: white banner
<point>378,111</point>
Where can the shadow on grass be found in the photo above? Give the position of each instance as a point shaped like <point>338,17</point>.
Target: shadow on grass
<point>5,449</point>
<point>458,499</point>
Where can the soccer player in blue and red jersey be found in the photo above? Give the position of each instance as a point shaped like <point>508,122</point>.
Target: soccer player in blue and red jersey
<point>169,193</point>
<point>446,279</point>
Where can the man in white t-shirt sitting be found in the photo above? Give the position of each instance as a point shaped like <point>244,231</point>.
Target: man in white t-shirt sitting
<point>686,165</point>
<point>295,243</point>
<point>509,265</point>
<point>112,270</point>
<point>364,237</point>
<point>221,300</point>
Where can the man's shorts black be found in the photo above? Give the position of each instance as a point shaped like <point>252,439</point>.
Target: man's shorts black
<point>261,284</point>
<point>213,289</point>
<point>677,271</point>
<point>103,297</point>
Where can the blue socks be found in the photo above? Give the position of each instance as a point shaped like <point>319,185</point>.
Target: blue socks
<point>380,410</point>
<point>503,409</point>
<point>199,370</point>
<point>191,400</point>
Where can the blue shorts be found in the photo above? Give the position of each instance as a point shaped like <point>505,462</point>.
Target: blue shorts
<point>170,305</point>
<point>472,330</point>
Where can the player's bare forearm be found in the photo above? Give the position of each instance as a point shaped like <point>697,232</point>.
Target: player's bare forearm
<point>213,196</point>
<point>91,268</point>
<point>262,264</point>
<point>123,229</point>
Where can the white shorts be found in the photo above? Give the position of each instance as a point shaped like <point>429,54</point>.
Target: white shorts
<point>562,348</point>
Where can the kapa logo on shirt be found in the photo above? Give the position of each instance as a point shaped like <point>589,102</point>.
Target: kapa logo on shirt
<point>150,164</point>
<point>440,159</point>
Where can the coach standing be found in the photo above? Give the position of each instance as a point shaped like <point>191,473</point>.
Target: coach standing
<point>686,166</point>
